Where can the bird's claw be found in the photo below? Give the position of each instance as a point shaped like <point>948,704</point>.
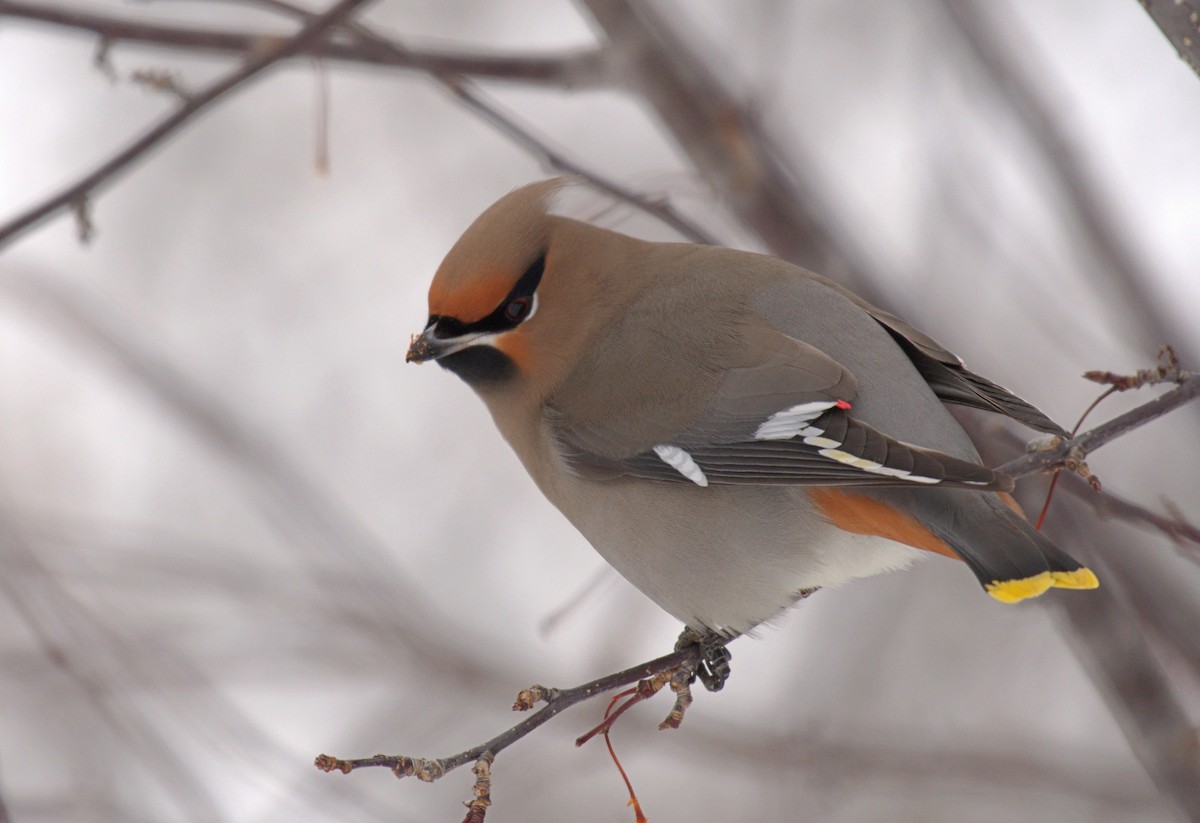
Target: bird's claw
<point>712,669</point>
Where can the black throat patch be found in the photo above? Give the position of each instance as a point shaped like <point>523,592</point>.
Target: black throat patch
<point>480,365</point>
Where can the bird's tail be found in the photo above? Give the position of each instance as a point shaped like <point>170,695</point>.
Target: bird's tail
<point>1011,559</point>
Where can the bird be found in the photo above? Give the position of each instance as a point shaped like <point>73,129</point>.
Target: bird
<point>730,432</point>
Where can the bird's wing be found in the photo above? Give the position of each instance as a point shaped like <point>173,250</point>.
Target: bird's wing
<point>951,381</point>
<point>759,407</point>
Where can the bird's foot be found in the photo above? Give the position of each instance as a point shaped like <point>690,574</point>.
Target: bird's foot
<point>713,667</point>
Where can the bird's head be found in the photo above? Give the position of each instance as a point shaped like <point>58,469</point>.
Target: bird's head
<point>511,299</point>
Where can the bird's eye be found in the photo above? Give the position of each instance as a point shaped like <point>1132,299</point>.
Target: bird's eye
<point>518,309</point>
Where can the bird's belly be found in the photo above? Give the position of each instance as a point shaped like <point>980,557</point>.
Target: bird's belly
<point>722,557</point>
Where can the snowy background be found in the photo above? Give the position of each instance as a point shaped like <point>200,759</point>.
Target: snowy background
<point>236,531</point>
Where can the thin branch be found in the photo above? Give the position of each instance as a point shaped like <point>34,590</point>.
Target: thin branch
<point>471,97</point>
<point>270,52</point>
<point>578,69</point>
<point>1070,453</point>
<point>1108,504</point>
<point>1179,21</point>
<point>557,701</point>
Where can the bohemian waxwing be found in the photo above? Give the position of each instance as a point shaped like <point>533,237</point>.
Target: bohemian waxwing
<point>728,430</point>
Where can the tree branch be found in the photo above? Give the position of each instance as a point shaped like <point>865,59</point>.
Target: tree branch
<point>579,69</point>
<point>1114,649</point>
<point>1108,504</point>
<point>448,70</point>
<point>270,52</point>
<point>1070,453</point>
<point>556,700</point>
<point>1179,21</point>
<point>1010,79</point>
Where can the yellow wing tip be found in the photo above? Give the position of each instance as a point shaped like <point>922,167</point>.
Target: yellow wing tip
<point>1081,578</point>
<point>1014,591</point>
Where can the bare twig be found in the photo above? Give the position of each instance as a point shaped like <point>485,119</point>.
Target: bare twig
<point>1108,504</point>
<point>1167,371</point>
<point>1070,453</point>
<point>321,162</point>
<point>579,69</point>
<point>482,790</point>
<point>161,81</point>
<point>557,701</point>
<point>1179,21</point>
<point>271,52</point>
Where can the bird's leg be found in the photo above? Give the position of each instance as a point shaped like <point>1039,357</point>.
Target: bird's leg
<point>713,666</point>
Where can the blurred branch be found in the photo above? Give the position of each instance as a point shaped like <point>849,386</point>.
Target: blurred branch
<point>1159,595</point>
<point>1011,81</point>
<point>727,144</point>
<point>291,502</point>
<point>1115,652</point>
<point>1175,527</point>
<point>268,54</point>
<point>467,94</point>
<point>58,629</point>
<point>817,757</point>
<point>78,640</point>
<point>572,70</point>
<point>657,207</point>
<point>1179,20</point>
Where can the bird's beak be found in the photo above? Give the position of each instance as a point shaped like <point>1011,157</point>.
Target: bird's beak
<point>428,346</point>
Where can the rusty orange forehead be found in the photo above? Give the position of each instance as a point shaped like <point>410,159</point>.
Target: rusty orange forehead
<point>471,301</point>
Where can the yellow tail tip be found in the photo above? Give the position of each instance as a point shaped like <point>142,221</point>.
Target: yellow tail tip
<point>1081,578</point>
<point>1014,591</point>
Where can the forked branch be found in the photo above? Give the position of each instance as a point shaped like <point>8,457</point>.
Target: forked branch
<point>674,668</point>
<point>1071,453</point>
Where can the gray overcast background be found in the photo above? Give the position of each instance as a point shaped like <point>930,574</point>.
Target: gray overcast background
<point>238,531</point>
